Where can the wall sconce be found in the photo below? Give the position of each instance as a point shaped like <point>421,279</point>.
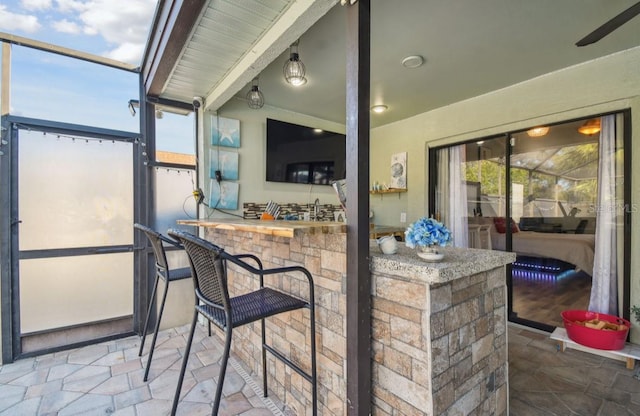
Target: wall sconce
<point>255,98</point>
<point>590,127</point>
<point>538,131</point>
<point>294,70</point>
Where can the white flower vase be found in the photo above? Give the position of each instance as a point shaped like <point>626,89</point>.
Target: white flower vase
<point>429,253</point>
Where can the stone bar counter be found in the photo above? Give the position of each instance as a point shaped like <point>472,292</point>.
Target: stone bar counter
<point>439,339</point>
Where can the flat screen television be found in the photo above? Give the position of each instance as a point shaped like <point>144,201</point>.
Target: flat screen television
<point>301,154</point>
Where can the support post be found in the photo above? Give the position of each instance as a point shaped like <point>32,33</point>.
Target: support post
<point>5,94</point>
<point>8,219</point>
<point>144,211</point>
<point>358,275</point>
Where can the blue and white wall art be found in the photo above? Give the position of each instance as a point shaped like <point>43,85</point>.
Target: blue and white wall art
<point>225,132</point>
<point>224,195</point>
<point>224,161</point>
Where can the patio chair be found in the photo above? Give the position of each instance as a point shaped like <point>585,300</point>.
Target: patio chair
<point>162,273</point>
<point>209,268</point>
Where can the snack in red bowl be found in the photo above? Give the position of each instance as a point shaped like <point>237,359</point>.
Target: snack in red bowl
<point>596,330</point>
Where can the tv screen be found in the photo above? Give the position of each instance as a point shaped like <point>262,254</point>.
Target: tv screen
<point>300,154</point>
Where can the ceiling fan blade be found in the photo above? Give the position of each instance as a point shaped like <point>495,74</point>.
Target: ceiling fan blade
<point>610,26</point>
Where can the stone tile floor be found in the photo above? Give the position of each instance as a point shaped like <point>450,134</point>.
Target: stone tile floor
<point>544,381</point>
<point>106,379</point>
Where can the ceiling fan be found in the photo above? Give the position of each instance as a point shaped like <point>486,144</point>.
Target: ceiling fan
<point>610,25</point>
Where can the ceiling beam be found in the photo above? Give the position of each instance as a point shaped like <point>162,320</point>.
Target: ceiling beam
<point>172,27</point>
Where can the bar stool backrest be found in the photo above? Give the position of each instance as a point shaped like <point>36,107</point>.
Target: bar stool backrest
<point>207,268</point>
<point>155,238</point>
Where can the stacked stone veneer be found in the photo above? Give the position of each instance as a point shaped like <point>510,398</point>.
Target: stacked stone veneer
<point>436,349</point>
<point>441,349</point>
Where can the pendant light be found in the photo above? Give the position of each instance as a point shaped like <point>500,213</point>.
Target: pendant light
<point>294,70</point>
<point>590,127</point>
<point>538,131</point>
<point>255,98</point>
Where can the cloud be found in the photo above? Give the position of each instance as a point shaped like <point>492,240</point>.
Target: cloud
<point>127,52</point>
<point>91,31</point>
<point>123,24</point>
<point>65,26</point>
<point>70,6</point>
<point>13,22</point>
<point>36,4</point>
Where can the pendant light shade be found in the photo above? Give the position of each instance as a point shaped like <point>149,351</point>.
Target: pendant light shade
<point>255,98</point>
<point>294,70</point>
<point>538,131</point>
<point>590,127</point>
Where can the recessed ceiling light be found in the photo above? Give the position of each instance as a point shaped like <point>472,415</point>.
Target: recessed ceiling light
<point>317,130</point>
<point>413,61</point>
<point>380,108</point>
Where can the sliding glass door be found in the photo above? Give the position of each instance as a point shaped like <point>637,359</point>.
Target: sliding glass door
<point>553,187</point>
<point>556,196</point>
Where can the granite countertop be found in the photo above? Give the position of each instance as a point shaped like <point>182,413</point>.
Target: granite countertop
<point>278,228</point>
<point>457,263</point>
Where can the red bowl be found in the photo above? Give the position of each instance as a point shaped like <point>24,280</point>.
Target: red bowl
<point>591,337</point>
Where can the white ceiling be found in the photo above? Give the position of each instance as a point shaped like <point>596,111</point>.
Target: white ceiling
<point>470,48</point>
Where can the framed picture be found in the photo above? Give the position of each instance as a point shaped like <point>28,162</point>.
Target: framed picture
<point>399,171</point>
<point>225,132</point>
<point>224,195</point>
<point>224,161</point>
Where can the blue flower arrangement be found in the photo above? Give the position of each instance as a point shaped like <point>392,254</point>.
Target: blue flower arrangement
<point>427,232</point>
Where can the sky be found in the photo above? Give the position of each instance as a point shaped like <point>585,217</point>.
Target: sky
<point>117,29</point>
<point>52,87</point>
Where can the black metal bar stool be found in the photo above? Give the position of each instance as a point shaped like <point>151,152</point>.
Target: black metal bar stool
<point>162,273</point>
<point>208,267</point>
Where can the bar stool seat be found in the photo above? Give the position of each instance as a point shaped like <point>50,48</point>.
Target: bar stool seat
<point>262,303</point>
<point>209,270</point>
